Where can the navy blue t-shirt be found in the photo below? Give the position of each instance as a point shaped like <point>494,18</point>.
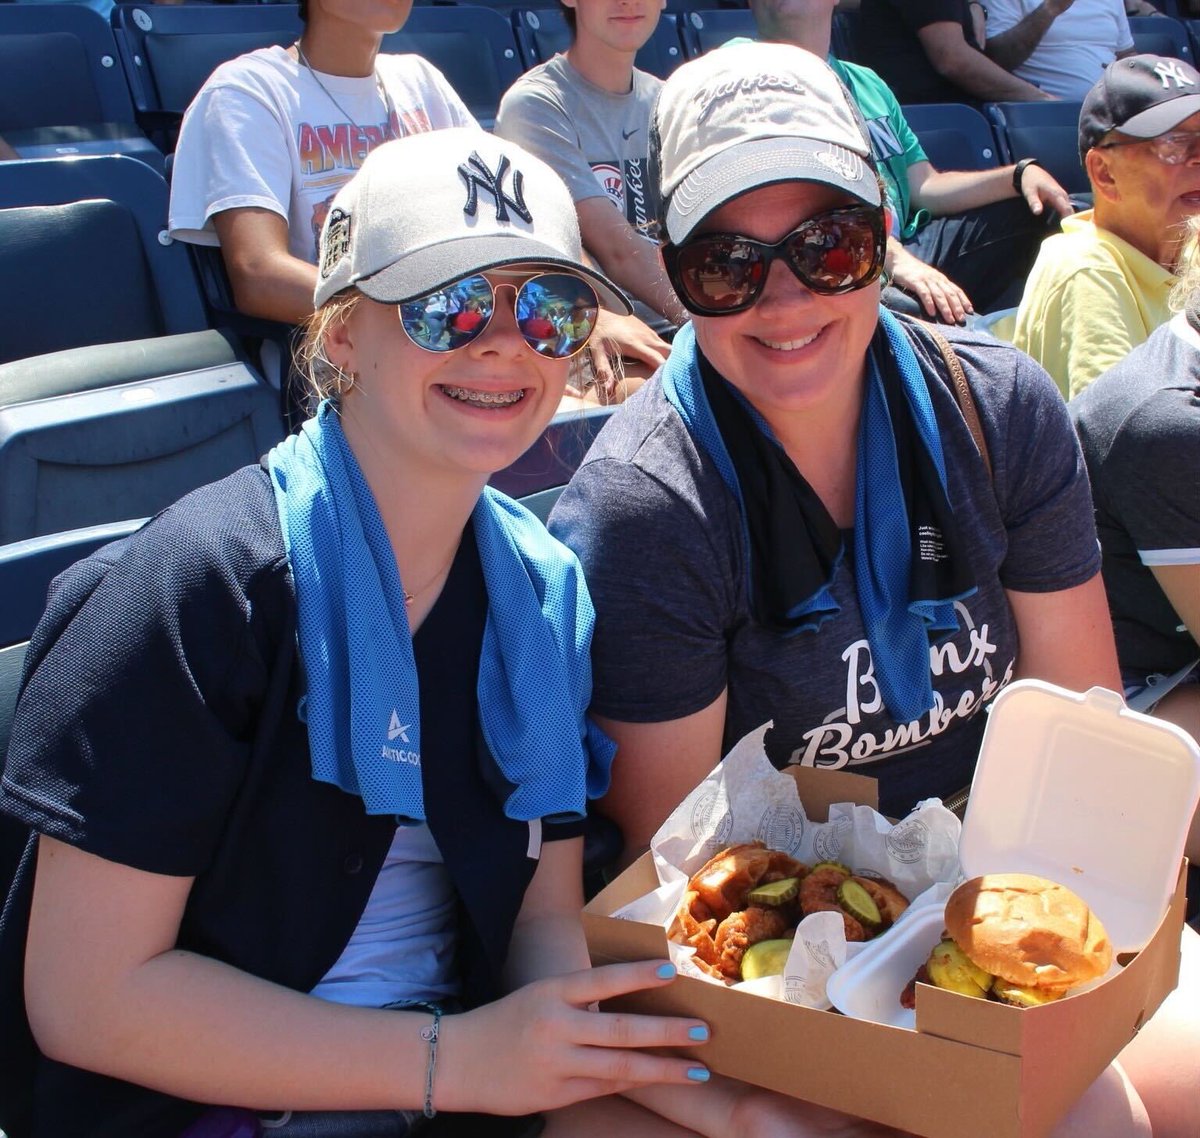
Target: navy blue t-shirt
<point>660,539</point>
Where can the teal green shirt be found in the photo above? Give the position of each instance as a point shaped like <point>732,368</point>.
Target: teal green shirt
<point>893,142</point>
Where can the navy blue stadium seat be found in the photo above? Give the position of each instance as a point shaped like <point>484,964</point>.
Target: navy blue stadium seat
<point>128,449</point>
<point>1047,131</point>
<point>169,50</point>
<point>953,135</point>
<point>26,570</point>
<point>703,29</point>
<point>550,462</point>
<point>62,90</point>
<point>541,32</point>
<point>843,42</point>
<point>84,257</point>
<point>474,47</point>
<point>1160,35</point>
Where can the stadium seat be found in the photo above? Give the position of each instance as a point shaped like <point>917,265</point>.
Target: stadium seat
<point>84,258</point>
<point>474,47</point>
<point>1160,35</point>
<point>542,32</point>
<point>953,135</point>
<point>26,570</point>
<point>843,41</point>
<point>169,50</point>
<point>62,90</point>
<point>1047,131</point>
<point>128,449</point>
<point>703,29</point>
<point>550,462</point>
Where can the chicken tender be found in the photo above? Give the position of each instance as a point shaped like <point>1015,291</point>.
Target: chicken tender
<point>739,931</point>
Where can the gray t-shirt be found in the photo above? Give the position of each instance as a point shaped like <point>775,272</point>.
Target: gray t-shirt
<point>598,142</point>
<point>1140,428</point>
<point>660,540</point>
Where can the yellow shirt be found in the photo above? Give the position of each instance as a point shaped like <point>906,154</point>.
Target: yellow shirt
<point>1090,298</point>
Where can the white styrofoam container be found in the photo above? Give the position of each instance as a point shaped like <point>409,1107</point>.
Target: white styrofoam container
<point>1073,787</point>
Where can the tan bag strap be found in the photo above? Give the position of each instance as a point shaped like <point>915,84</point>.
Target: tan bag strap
<point>962,393</point>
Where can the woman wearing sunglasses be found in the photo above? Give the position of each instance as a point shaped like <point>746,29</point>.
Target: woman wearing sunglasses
<point>793,521</point>
<point>312,743</point>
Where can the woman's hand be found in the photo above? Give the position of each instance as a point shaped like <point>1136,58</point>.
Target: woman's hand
<point>622,338</point>
<point>553,1051</point>
<point>938,295</point>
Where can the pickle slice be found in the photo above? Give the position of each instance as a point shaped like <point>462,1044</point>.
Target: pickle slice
<point>858,903</point>
<point>950,968</point>
<point>766,958</point>
<point>774,893</point>
<point>832,865</point>
<point>1020,997</point>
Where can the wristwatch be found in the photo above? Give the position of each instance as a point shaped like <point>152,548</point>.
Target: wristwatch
<point>1019,171</point>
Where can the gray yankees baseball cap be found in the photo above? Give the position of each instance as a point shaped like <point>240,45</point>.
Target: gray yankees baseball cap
<point>426,210</point>
<point>750,115</point>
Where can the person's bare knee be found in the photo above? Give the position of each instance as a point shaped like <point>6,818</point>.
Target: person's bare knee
<point>1109,1108</point>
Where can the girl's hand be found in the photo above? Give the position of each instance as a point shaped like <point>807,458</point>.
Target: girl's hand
<point>546,1049</point>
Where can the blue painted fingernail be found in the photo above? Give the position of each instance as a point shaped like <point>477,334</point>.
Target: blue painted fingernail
<point>698,1074</point>
<point>698,1033</point>
<point>665,971</point>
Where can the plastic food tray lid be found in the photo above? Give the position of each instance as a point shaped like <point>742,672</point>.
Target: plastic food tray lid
<point>1079,789</point>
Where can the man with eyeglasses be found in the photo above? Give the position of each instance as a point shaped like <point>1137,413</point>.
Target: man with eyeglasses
<point>1100,288</point>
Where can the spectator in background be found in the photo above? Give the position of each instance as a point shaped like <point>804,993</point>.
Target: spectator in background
<point>959,240</point>
<point>1101,287</point>
<point>586,112</point>
<point>932,51</point>
<point>1061,46</point>
<point>1139,424</point>
<point>274,134</point>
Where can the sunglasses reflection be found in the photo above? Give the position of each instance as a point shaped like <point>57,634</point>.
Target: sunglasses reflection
<point>555,313</point>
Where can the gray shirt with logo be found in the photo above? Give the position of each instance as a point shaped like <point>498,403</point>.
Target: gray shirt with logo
<point>598,142</point>
<point>660,539</point>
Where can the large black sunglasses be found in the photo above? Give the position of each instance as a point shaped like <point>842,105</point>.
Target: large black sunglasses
<point>718,274</point>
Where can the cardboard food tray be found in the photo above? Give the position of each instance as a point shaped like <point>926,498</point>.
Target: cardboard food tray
<point>969,1068</point>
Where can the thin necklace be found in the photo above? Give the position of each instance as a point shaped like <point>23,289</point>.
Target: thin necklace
<point>387,99</point>
<point>410,597</point>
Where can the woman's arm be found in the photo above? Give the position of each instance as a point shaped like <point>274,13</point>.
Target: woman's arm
<point>656,766</point>
<point>107,991</point>
<point>1066,637</point>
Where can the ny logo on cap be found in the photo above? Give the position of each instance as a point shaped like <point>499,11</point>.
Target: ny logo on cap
<point>1170,71</point>
<point>337,240</point>
<point>478,177</point>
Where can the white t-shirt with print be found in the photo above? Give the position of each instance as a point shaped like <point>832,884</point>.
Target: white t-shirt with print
<point>263,132</point>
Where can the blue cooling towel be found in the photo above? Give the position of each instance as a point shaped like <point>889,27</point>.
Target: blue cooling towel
<point>362,706</point>
<point>901,605</point>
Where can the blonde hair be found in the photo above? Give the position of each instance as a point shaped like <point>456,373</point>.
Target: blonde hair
<point>323,378</point>
<point>1186,292</point>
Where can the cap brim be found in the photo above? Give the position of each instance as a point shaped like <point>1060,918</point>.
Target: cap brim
<point>433,268</point>
<point>1158,119</point>
<point>764,162</point>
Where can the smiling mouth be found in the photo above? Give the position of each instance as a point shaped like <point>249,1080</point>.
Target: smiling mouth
<point>484,398</point>
<point>788,345</point>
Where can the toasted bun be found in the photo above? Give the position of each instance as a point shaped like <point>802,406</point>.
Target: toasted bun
<point>1028,931</point>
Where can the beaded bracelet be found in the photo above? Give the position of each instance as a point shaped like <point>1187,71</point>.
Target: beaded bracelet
<point>430,1035</point>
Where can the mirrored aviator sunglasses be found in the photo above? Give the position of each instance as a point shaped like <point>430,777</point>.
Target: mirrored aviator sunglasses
<point>556,313</point>
<point>718,274</point>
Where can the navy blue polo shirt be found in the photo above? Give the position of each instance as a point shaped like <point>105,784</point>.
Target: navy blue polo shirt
<point>158,728</point>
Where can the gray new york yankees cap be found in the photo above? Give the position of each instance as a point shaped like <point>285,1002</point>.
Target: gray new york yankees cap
<point>430,208</point>
<point>750,115</point>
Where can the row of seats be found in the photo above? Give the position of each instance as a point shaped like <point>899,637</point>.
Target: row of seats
<point>71,83</point>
